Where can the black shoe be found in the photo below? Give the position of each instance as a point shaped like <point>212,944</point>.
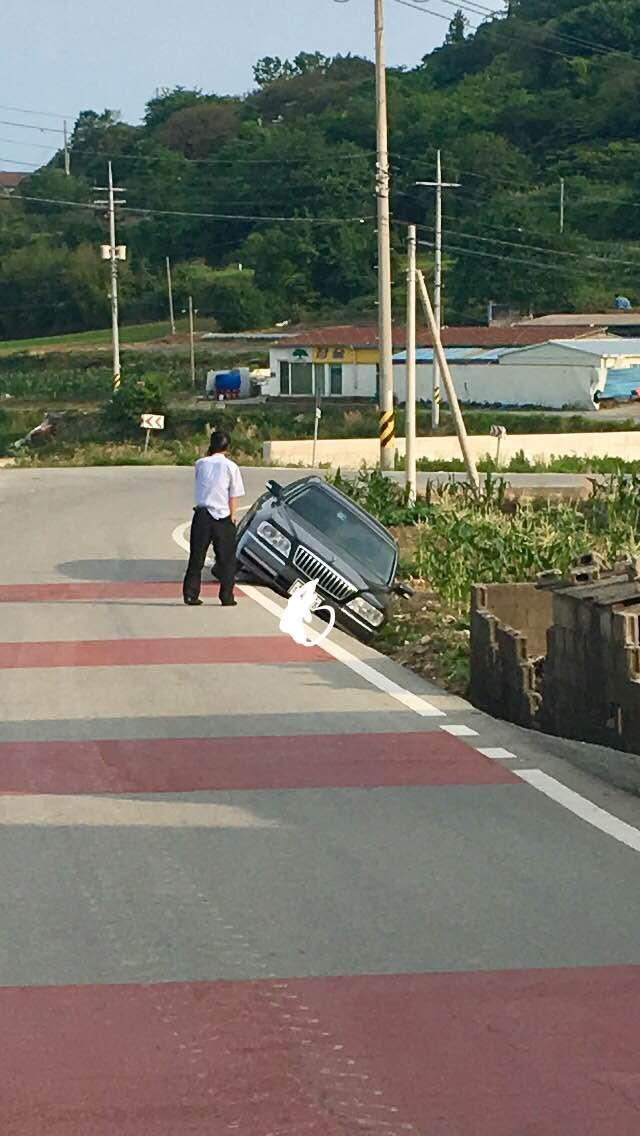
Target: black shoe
<point>228,603</point>
<point>192,601</point>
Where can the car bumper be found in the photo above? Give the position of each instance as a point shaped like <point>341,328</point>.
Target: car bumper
<point>257,558</point>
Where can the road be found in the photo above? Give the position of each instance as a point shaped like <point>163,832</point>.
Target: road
<point>251,888</point>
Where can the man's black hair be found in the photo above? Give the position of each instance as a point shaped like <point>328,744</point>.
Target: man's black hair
<point>220,441</point>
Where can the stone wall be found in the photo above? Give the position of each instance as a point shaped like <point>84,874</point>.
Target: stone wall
<point>563,659</point>
<point>509,624</point>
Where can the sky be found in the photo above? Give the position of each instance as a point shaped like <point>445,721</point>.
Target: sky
<point>64,56</point>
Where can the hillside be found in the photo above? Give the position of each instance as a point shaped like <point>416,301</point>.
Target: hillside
<point>549,90</point>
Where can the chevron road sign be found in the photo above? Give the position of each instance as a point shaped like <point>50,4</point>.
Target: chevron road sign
<point>152,422</point>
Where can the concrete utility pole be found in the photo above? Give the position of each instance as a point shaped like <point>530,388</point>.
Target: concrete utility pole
<point>191,343</point>
<point>410,403</point>
<point>437,288</point>
<point>113,252</point>
<point>452,397</point>
<point>67,161</point>
<point>170,288</point>
<point>562,205</point>
<point>387,424</point>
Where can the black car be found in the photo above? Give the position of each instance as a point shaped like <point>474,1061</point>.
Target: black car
<point>311,531</point>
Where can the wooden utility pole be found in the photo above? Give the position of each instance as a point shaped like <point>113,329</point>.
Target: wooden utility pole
<point>410,403</point>
<point>439,186</point>
<point>191,343</point>
<point>170,290</point>
<point>385,336</point>
<point>452,397</point>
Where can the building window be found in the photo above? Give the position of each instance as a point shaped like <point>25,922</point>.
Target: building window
<point>285,378</point>
<point>335,375</point>
<point>301,378</point>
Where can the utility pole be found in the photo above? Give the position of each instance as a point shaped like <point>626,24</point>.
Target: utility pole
<point>170,288</point>
<point>113,252</point>
<point>410,401</point>
<point>385,334</point>
<point>461,430</point>
<point>67,161</point>
<point>191,343</point>
<point>439,185</point>
<point>562,205</point>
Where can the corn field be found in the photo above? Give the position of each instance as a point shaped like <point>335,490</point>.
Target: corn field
<point>456,540</point>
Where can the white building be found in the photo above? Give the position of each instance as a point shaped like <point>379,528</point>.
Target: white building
<point>574,373</point>
<point>489,366</point>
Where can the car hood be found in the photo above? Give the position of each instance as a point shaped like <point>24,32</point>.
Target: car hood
<point>301,532</point>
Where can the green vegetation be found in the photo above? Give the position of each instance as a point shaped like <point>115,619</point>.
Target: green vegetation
<point>451,539</point>
<point>136,333</point>
<point>539,91</point>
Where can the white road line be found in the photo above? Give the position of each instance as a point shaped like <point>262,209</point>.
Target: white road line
<point>581,807</point>
<point>497,753</point>
<point>406,698</point>
<point>460,731</point>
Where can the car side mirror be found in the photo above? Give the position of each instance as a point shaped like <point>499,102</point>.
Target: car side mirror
<point>404,591</point>
<point>275,489</point>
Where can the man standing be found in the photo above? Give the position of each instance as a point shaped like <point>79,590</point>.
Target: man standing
<point>218,487</point>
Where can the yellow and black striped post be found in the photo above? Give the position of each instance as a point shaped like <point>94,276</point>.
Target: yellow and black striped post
<point>387,435</point>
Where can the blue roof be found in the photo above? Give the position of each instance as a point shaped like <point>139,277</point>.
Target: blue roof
<point>425,354</point>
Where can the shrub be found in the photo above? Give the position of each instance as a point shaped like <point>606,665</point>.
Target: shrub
<point>133,398</point>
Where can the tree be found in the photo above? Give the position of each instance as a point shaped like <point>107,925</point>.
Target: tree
<point>167,103</point>
<point>197,131</point>
<point>271,68</point>
<point>457,28</point>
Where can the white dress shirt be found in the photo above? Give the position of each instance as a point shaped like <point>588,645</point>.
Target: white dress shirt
<point>217,479</point>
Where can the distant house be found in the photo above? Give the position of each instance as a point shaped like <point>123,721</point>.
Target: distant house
<point>343,361</point>
<point>9,181</point>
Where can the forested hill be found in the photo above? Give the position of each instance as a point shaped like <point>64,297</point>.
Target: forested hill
<point>281,180</point>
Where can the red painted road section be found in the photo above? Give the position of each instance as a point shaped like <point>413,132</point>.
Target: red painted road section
<point>157,652</point>
<point>91,592</point>
<point>529,1053</point>
<point>192,764</point>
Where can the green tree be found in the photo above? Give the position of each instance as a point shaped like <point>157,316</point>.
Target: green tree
<point>457,28</point>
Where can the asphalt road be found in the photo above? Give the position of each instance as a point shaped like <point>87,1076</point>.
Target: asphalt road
<point>250,888</point>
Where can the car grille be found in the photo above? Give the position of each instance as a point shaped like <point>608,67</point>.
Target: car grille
<point>315,569</point>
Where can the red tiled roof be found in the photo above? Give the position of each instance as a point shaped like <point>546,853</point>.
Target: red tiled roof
<point>346,335</point>
<point>10,179</point>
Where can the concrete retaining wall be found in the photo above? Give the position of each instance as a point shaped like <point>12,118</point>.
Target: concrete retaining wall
<point>566,661</point>
<point>509,624</point>
<point>352,453</point>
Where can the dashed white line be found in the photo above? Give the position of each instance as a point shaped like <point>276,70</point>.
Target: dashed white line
<point>406,698</point>
<point>497,753</point>
<point>581,807</point>
<point>460,731</point>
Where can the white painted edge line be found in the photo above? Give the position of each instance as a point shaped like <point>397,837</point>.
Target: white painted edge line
<point>581,807</point>
<point>411,701</point>
<point>460,732</point>
<point>497,753</point>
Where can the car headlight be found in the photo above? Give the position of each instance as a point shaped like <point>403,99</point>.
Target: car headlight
<point>275,538</point>
<point>366,611</point>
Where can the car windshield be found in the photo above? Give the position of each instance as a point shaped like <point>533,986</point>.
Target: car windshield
<point>345,531</point>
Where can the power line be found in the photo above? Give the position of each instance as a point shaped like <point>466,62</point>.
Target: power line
<point>39,113</point>
<point>29,126</point>
<point>546,267</point>
<point>603,260</point>
<point>206,216</point>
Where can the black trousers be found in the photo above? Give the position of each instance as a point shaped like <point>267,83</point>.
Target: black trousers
<point>222,535</point>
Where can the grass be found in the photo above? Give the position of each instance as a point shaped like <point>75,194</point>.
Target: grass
<point>133,335</point>
<point>450,539</point>
<point>520,464</point>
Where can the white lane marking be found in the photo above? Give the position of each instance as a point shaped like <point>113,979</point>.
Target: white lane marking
<point>581,807</point>
<point>460,731</point>
<point>497,753</point>
<point>374,678</point>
